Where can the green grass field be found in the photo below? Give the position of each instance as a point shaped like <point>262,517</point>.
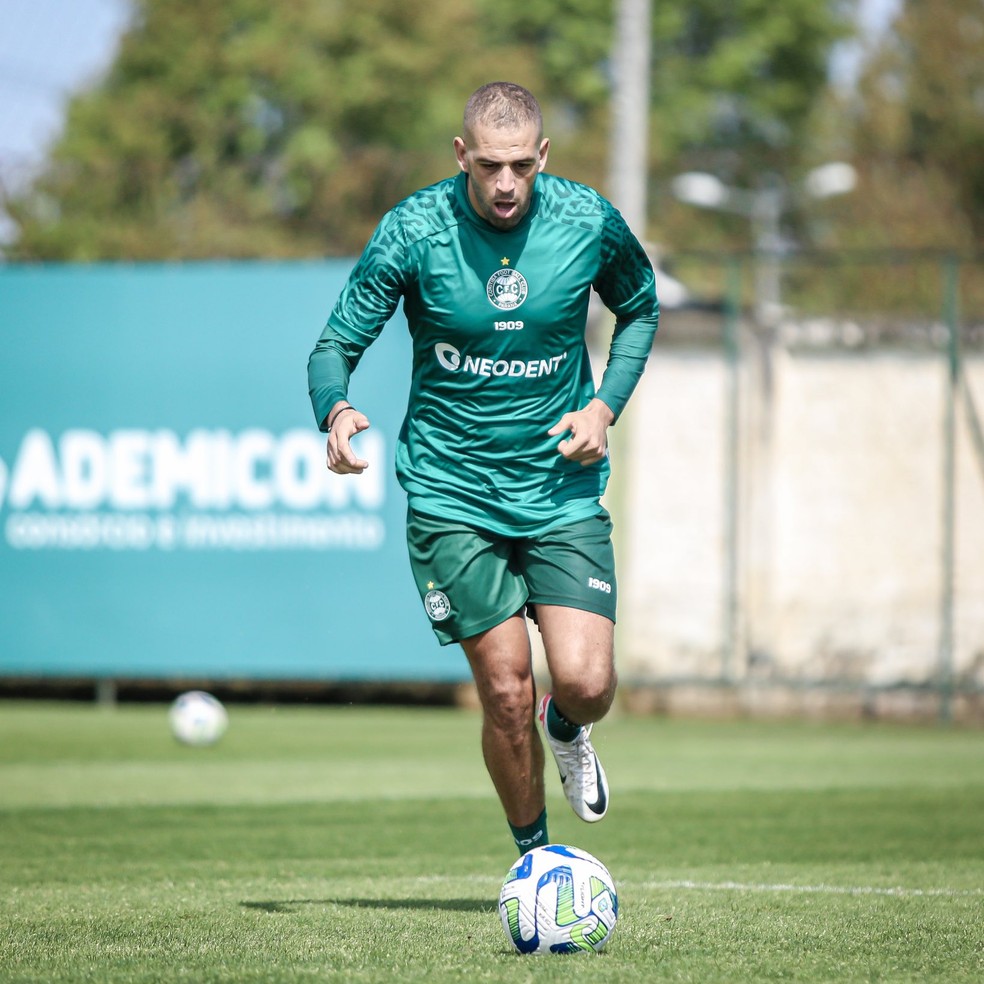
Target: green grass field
<point>357,845</point>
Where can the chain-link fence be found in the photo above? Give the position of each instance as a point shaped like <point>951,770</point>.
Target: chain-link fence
<point>799,489</point>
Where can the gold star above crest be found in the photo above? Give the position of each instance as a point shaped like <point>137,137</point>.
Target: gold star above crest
<point>430,585</point>
<point>504,261</point>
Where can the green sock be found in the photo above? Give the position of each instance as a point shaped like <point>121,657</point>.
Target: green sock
<point>532,835</point>
<point>558,726</point>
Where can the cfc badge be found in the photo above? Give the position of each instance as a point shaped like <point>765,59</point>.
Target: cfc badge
<point>507,289</point>
<point>437,605</point>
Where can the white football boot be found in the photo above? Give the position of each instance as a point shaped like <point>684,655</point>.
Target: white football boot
<point>581,774</point>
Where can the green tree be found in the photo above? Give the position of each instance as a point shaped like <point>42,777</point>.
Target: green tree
<point>736,88</point>
<point>250,128</point>
<point>733,89</point>
<point>919,125</point>
<point>747,74</point>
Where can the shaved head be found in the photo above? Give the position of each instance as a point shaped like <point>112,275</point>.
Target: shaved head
<point>502,106</point>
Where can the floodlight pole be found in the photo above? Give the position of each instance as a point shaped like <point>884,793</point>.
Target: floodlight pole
<point>628,179</point>
<point>630,112</point>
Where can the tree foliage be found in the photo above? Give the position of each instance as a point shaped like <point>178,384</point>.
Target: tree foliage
<point>919,128</point>
<point>734,83</point>
<point>250,128</point>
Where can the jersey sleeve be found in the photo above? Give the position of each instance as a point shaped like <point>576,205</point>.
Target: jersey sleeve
<point>626,285</point>
<point>368,300</point>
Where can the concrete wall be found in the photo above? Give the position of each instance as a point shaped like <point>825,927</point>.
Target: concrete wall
<point>838,573</point>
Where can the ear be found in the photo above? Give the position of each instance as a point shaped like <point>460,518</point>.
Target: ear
<point>544,150</point>
<point>460,151</point>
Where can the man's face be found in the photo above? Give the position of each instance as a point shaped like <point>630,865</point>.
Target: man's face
<point>502,166</point>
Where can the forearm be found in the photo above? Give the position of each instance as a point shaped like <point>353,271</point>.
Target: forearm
<point>366,303</point>
<point>627,360</point>
<point>329,369</point>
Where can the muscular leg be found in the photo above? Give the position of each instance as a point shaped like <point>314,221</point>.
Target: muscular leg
<point>501,664</point>
<point>580,651</point>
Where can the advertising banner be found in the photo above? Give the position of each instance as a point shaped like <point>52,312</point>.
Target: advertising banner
<point>165,509</point>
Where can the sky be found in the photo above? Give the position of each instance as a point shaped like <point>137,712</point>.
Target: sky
<point>49,49</point>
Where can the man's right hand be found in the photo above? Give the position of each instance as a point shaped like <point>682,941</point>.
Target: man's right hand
<point>346,423</point>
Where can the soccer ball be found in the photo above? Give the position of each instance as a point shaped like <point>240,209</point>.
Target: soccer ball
<point>558,899</point>
<point>198,718</point>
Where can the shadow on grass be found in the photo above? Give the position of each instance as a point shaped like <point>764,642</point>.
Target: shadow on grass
<point>455,905</point>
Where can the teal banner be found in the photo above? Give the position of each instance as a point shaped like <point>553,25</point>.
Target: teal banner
<point>165,510</point>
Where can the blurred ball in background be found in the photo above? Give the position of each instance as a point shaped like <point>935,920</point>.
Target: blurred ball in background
<point>197,718</point>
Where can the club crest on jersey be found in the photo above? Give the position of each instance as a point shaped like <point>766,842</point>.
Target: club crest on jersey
<point>507,289</point>
<point>437,605</point>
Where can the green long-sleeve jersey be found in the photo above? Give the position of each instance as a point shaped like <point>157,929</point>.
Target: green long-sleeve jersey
<point>497,320</point>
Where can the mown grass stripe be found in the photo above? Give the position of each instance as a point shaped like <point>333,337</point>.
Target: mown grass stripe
<point>730,886</point>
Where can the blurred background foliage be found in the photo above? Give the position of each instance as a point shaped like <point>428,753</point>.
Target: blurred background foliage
<point>255,129</point>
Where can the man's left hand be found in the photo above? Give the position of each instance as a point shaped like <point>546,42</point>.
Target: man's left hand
<point>588,429</point>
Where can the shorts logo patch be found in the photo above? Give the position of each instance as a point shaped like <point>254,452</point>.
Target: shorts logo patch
<point>507,289</point>
<point>437,605</point>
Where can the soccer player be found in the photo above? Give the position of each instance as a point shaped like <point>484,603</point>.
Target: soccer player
<point>503,451</point>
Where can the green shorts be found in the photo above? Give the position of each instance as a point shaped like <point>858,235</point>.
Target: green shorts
<point>470,580</point>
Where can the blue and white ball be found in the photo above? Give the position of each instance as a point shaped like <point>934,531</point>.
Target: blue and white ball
<point>558,899</point>
<point>198,718</point>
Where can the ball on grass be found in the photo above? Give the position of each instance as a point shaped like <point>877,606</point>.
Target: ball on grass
<point>558,899</point>
<point>198,718</point>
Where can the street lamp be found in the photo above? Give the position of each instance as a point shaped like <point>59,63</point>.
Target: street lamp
<point>835,178</point>
<point>763,206</point>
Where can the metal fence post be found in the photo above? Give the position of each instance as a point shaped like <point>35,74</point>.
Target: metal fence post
<point>731,423</point>
<point>951,321</point>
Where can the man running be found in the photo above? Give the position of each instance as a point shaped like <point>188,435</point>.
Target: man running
<point>503,452</point>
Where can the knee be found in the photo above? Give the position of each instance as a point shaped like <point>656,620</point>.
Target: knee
<point>588,696</point>
<point>507,701</point>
